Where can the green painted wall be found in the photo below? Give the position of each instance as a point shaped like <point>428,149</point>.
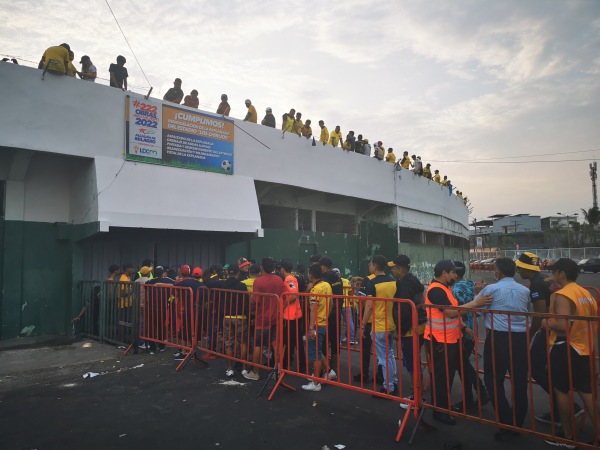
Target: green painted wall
<point>37,271</point>
<point>424,257</point>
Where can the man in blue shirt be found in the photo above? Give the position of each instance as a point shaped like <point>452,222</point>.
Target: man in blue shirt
<point>506,337</point>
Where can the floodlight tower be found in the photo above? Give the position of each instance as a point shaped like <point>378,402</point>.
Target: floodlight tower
<point>593,176</point>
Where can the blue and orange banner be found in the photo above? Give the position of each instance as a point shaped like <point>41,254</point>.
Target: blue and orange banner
<point>161,133</point>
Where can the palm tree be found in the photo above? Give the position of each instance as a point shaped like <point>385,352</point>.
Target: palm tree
<point>591,216</point>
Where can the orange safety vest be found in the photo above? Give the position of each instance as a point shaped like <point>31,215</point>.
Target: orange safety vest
<point>292,311</point>
<point>442,327</point>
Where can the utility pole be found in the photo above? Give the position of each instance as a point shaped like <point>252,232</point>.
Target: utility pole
<point>593,176</point>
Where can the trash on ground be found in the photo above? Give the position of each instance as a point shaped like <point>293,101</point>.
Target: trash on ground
<point>340,446</point>
<point>232,383</point>
<point>315,404</point>
<point>139,366</point>
<point>124,434</point>
<point>90,374</point>
<point>87,345</point>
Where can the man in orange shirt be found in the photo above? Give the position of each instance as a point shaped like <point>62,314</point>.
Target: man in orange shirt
<point>292,312</point>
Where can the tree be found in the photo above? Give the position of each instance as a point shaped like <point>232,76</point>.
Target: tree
<point>591,216</point>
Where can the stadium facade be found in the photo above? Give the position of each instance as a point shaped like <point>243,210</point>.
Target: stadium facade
<point>72,202</point>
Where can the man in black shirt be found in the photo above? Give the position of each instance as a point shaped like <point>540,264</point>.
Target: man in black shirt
<point>540,289</point>
<point>118,73</point>
<point>333,321</point>
<point>175,94</point>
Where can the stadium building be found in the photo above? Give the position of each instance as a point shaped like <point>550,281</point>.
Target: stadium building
<point>92,176</point>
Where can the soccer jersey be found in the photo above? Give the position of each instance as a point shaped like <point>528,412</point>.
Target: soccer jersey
<point>323,303</point>
<point>55,58</point>
<point>382,286</point>
<point>324,135</point>
<point>335,138</point>
<point>391,158</point>
<point>252,116</point>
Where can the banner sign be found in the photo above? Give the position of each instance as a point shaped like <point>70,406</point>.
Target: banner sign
<point>479,242</point>
<point>160,133</point>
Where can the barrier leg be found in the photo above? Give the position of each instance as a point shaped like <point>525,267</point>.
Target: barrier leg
<point>403,422</point>
<point>183,363</point>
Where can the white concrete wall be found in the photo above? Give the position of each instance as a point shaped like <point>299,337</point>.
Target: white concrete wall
<point>72,117</point>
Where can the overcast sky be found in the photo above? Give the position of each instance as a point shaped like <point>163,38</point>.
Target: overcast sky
<point>455,82</point>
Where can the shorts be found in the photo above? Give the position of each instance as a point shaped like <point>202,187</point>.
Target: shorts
<point>314,344</point>
<point>264,336</point>
<point>234,332</point>
<point>407,351</point>
<point>580,369</point>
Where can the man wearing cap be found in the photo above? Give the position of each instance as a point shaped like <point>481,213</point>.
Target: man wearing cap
<point>292,312</point>
<point>243,265</point>
<point>224,108</point>
<point>443,332</point>
<point>506,346</point>
<point>88,69</point>
<point>335,137</point>
<point>379,314</point>
<point>269,119</point>
<point>408,287</point>
<point>235,309</point>
<point>572,347</point>
<point>174,94</point>
<point>251,115</point>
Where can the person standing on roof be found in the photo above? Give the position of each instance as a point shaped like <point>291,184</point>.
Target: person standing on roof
<point>297,127</point>
<point>269,119</point>
<point>427,171</point>
<point>436,177</point>
<point>306,129</point>
<point>56,60</point>
<point>251,115</point>
<point>118,73</point>
<point>224,108</point>
<point>324,133</point>
<point>390,157</point>
<point>192,100</point>
<point>287,121</point>
<point>88,69</point>
<point>335,137</point>
<point>175,94</point>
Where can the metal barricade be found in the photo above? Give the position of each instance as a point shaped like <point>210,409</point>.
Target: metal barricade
<point>89,322</point>
<point>168,315</point>
<point>534,369</point>
<point>119,312</point>
<point>314,339</point>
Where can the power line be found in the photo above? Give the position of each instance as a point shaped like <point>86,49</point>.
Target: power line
<point>517,162</point>
<point>125,37</point>
<point>517,157</point>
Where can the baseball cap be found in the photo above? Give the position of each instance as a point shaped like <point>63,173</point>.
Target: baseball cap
<point>336,271</point>
<point>185,270</point>
<point>269,109</point>
<point>529,261</point>
<point>564,264</point>
<point>401,261</point>
<point>145,270</point>
<point>84,58</point>
<point>158,271</point>
<point>326,261</point>
<point>233,268</point>
<point>197,272</point>
<point>444,265</point>
<point>243,262</point>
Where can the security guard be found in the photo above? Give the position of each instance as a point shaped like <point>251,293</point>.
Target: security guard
<point>443,333</point>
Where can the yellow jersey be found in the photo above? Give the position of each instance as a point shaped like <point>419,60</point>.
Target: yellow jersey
<point>323,303</point>
<point>436,178</point>
<point>249,282</point>
<point>72,69</point>
<point>324,135</point>
<point>382,286</point>
<point>335,138</point>
<point>391,158</point>
<point>252,115</point>
<point>405,163</point>
<point>297,127</point>
<point>306,131</point>
<point>55,58</point>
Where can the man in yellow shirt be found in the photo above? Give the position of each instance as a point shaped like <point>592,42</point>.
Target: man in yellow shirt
<point>253,274</point>
<point>324,132</point>
<point>436,177</point>
<point>297,127</point>
<point>72,69</point>
<point>56,60</point>
<point>335,137</point>
<point>427,171</point>
<point>405,161</point>
<point>445,181</point>
<point>306,129</point>
<point>252,115</point>
<point>379,312</point>
<point>320,306</point>
<point>287,121</point>
<point>390,157</point>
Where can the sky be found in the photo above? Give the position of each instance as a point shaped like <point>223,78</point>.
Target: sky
<point>502,97</point>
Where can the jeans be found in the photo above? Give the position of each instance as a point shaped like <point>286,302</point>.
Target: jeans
<point>349,319</point>
<point>384,346</point>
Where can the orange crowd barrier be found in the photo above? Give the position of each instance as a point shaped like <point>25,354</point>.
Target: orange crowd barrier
<point>320,345</point>
<point>519,369</point>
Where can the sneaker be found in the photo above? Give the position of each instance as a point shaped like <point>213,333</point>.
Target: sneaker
<point>143,346</point>
<point>559,444</point>
<point>331,375</point>
<point>244,372</point>
<point>179,356</point>
<point>311,387</point>
<point>547,418</point>
<point>406,405</point>
<point>251,376</point>
<point>229,372</point>
<point>209,356</point>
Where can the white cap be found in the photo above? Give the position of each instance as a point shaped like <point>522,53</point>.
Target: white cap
<point>268,109</point>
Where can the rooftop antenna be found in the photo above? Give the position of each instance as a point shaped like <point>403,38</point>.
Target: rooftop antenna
<point>593,176</point>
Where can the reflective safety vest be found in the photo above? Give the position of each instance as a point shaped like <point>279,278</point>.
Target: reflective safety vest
<point>442,327</point>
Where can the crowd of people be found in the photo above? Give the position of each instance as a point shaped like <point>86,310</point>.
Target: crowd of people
<point>558,350</point>
<point>59,60</point>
